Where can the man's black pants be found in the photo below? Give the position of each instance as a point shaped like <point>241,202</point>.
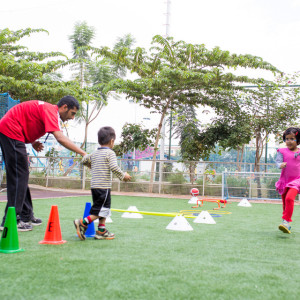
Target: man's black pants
<point>17,176</point>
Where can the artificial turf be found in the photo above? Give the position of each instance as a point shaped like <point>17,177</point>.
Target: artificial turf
<point>242,256</point>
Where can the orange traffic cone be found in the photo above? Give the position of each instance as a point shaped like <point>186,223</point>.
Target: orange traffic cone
<point>53,232</point>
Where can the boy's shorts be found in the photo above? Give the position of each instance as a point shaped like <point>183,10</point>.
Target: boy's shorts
<point>101,203</point>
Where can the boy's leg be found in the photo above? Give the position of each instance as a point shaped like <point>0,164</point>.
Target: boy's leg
<point>80,228</point>
<point>102,233</point>
<point>81,225</point>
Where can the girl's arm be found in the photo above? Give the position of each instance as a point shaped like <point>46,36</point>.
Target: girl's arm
<point>279,160</point>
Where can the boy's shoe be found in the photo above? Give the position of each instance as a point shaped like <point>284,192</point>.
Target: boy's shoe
<point>285,227</point>
<point>21,226</point>
<point>34,221</point>
<point>105,235</point>
<point>80,228</point>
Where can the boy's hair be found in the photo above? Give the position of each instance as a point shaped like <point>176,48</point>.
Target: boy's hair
<point>70,101</point>
<point>105,135</point>
<point>293,130</point>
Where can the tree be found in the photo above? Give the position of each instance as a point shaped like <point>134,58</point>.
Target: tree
<point>186,128</point>
<point>178,73</point>
<point>31,75</point>
<point>270,110</point>
<point>81,39</point>
<point>228,131</point>
<point>91,72</point>
<point>134,136</point>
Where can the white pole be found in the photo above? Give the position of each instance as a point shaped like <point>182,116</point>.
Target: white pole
<point>163,129</point>
<point>223,186</point>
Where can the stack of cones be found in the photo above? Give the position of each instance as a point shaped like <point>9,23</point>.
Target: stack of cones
<point>53,231</point>
<point>10,241</point>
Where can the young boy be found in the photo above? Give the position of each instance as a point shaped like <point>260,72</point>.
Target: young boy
<point>102,163</point>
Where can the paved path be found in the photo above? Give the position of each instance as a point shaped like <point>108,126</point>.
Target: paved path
<point>38,192</point>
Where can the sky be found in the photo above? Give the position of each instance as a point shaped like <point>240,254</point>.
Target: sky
<point>266,28</point>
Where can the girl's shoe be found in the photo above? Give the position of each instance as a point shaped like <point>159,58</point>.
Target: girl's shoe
<point>285,227</point>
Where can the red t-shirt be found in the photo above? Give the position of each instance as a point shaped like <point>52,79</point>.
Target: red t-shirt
<point>28,121</point>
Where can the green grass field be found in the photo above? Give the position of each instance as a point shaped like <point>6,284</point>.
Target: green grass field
<point>243,256</point>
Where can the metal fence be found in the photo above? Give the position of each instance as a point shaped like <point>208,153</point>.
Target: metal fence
<point>170,177</point>
<point>250,185</point>
<point>6,103</point>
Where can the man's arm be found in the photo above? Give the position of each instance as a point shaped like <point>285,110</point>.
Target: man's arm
<point>67,143</point>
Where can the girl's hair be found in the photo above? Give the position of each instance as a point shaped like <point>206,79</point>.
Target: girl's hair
<point>293,130</point>
<point>105,135</point>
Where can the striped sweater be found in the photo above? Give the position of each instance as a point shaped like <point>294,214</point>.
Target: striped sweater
<point>103,163</point>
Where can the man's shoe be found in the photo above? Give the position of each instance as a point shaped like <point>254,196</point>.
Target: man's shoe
<point>105,235</point>
<point>21,226</point>
<point>34,221</point>
<point>80,228</point>
<point>285,227</point>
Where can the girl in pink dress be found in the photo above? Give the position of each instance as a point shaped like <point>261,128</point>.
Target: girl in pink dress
<point>288,185</point>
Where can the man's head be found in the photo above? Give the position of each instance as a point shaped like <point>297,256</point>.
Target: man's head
<point>67,108</point>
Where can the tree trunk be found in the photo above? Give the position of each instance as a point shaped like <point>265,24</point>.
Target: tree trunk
<point>69,170</point>
<point>258,154</point>
<point>192,167</point>
<point>154,153</point>
<point>156,144</point>
<point>238,160</point>
<point>242,156</point>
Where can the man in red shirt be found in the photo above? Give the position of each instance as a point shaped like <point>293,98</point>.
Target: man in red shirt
<point>22,124</point>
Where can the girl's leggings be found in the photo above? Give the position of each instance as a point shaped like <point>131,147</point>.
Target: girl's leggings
<point>288,199</point>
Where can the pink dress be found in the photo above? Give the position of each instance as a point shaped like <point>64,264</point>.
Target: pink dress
<point>290,175</point>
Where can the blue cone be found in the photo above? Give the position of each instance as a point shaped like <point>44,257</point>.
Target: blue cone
<point>90,232</point>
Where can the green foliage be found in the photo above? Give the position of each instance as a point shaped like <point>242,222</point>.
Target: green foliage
<point>93,71</point>
<point>134,136</point>
<point>173,74</point>
<point>235,181</point>
<point>28,75</point>
<point>177,177</point>
<point>270,184</point>
<point>53,160</point>
<point>52,153</point>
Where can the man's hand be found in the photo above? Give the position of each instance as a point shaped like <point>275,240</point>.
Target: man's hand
<point>38,146</point>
